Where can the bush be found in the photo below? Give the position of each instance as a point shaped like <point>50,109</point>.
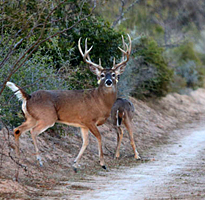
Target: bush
<point>186,52</point>
<point>188,67</point>
<point>192,74</point>
<point>178,84</point>
<point>148,72</point>
<point>36,74</point>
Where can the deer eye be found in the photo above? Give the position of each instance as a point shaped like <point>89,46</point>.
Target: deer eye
<point>113,75</point>
<point>102,75</point>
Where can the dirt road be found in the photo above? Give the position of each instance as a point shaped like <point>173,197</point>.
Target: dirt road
<point>176,172</point>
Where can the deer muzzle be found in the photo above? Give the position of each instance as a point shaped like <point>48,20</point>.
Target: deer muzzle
<point>108,82</point>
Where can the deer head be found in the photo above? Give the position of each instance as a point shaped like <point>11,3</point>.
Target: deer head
<point>107,77</point>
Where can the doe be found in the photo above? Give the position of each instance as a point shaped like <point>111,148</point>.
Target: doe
<point>122,113</point>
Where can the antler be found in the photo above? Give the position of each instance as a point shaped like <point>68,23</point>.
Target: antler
<point>86,56</point>
<point>124,53</point>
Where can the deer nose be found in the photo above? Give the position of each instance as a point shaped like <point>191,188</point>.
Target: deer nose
<point>108,82</point>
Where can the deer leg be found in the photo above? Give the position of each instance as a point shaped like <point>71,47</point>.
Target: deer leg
<point>17,134</point>
<point>26,126</point>
<point>85,134</point>
<point>119,140</point>
<point>93,129</point>
<point>129,128</point>
<point>38,129</point>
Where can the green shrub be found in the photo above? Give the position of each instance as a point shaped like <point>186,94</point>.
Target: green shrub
<point>188,66</point>
<point>186,52</point>
<point>36,74</point>
<point>192,74</point>
<point>148,73</point>
<point>177,84</point>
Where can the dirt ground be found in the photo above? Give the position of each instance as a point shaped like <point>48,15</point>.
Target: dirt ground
<point>154,125</point>
<point>176,172</point>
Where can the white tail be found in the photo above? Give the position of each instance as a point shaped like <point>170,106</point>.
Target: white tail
<point>86,109</point>
<point>16,90</point>
<point>122,113</point>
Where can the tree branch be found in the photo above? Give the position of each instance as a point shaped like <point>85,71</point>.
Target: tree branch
<point>18,64</point>
<point>122,14</point>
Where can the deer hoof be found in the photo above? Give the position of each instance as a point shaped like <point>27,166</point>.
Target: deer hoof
<point>75,169</point>
<point>116,157</point>
<point>39,160</point>
<point>138,157</point>
<point>104,167</point>
<point>40,163</point>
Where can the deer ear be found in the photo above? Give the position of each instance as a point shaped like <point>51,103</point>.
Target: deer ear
<point>119,70</point>
<point>95,70</point>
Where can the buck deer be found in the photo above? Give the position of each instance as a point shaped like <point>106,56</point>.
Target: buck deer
<point>123,112</point>
<point>86,109</point>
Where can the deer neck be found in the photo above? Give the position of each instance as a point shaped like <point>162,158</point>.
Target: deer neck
<point>107,95</point>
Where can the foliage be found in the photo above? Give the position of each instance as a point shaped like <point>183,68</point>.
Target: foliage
<point>192,74</point>
<point>104,39</point>
<point>27,25</point>
<point>149,74</point>
<point>168,22</point>
<point>154,67</point>
<point>186,52</point>
<point>36,74</point>
<point>178,84</point>
<point>188,66</point>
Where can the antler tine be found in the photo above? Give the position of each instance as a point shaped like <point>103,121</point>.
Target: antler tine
<point>123,43</point>
<point>87,53</point>
<point>130,41</point>
<point>86,56</point>
<point>125,53</point>
<point>79,47</point>
<point>86,46</point>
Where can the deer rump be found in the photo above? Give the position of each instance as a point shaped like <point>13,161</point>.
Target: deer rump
<point>121,109</point>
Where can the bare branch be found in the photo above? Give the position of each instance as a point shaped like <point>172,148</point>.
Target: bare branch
<point>14,46</point>
<point>18,64</point>
<point>19,164</point>
<point>122,14</point>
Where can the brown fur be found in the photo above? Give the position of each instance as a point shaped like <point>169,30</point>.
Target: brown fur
<point>122,113</point>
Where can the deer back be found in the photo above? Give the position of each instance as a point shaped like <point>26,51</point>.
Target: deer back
<point>78,107</point>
